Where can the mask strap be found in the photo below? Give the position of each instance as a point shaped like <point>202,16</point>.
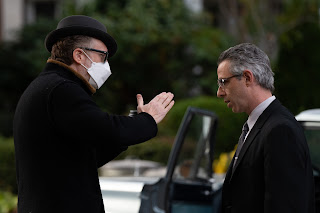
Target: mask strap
<point>84,66</point>
<point>87,57</point>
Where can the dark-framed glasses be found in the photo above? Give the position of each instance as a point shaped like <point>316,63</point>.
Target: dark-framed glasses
<point>105,56</point>
<point>222,81</point>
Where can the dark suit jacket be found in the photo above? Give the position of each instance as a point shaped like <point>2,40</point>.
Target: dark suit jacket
<point>273,173</point>
<point>61,137</point>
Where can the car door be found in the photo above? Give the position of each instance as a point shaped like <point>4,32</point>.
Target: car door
<point>188,185</point>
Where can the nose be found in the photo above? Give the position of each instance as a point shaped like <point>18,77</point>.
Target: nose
<point>220,92</point>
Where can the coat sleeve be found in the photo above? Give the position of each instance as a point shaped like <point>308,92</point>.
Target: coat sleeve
<point>287,170</point>
<point>74,114</point>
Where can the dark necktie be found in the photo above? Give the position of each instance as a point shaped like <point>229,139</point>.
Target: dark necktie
<point>245,130</point>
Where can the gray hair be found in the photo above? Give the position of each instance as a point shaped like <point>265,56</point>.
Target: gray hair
<point>248,56</point>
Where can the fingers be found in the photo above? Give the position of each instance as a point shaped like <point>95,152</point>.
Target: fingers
<point>140,103</point>
<point>163,98</point>
<point>168,107</point>
<point>159,96</point>
<point>158,107</point>
<point>167,99</point>
<point>139,100</point>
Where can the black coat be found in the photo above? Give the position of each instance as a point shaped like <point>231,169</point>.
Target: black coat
<point>61,137</point>
<point>273,173</point>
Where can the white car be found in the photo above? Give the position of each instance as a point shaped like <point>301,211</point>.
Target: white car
<point>310,120</point>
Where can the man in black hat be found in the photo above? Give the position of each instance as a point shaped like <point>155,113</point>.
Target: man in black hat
<point>61,136</point>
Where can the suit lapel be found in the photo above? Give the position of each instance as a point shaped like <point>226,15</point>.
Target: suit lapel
<point>254,132</point>
<point>250,138</point>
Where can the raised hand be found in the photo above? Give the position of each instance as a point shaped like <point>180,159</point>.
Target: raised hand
<point>158,107</point>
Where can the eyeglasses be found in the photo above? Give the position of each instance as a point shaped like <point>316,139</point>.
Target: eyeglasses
<point>104,57</point>
<point>222,81</point>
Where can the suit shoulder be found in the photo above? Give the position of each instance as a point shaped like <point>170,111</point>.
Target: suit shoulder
<point>281,117</point>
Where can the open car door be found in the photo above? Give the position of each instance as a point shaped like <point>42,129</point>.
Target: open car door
<point>188,185</point>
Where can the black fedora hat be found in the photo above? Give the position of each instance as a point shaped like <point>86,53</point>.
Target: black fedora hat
<point>81,25</point>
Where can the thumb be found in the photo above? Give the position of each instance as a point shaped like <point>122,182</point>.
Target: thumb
<point>139,100</point>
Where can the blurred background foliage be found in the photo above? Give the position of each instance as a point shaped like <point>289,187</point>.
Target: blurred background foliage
<point>8,186</point>
<point>163,46</point>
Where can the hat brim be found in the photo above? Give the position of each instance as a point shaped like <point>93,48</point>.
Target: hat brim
<point>58,34</point>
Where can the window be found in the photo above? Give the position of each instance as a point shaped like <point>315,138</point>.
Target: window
<point>193,161</point>
<point>36,9</point>
<point>45,9</point>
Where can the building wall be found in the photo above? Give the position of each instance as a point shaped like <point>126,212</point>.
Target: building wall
<point>16,13</point>
<point>11,18</point>
<point>1,20</point>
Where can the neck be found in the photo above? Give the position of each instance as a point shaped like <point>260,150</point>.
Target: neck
<point>258,96</point>
<point>81,71</point>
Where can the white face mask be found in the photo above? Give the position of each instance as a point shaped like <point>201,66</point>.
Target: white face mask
<point>99,73</point>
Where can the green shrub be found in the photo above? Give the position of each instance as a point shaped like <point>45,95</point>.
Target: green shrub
<point>229,123</point>
<point>7,165</point>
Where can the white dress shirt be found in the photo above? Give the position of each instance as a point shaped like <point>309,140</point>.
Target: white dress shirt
<point>255,114</point>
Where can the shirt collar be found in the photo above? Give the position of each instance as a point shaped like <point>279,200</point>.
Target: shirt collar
<point>255,114</point>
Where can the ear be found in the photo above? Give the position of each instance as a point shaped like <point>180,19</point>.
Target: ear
<point>248,75</point>
<point>78,56</point>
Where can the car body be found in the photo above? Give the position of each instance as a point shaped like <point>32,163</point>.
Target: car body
<point>122,194</point>
<point>310,120</point>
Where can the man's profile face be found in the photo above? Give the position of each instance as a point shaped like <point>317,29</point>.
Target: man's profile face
<point>81,57</point>
<point>233,90</point>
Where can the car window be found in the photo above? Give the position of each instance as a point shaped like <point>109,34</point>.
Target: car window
<point>312,133</point>
<point>193,160</point>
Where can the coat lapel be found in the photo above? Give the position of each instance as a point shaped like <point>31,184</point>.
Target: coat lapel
<point>253,133</point>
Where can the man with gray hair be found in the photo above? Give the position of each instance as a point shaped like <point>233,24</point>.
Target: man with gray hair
<point>271,170</point>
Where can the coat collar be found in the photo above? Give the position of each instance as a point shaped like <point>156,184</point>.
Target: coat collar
<point>87,84</point>
<point>252,135</point>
